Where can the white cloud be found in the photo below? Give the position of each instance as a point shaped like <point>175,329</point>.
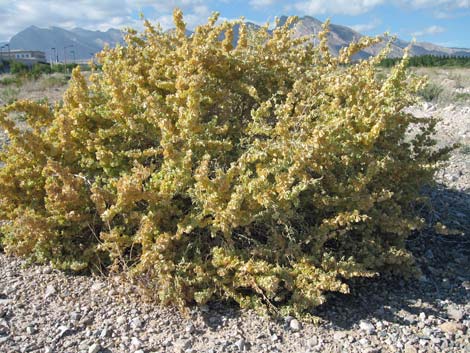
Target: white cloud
<point>345,7</point>
<point>432,30</point>
<point>356,7</point>
<point>262,3</point>
<point>94,14</point>
<point>449,4</point>
<point>365,27</point>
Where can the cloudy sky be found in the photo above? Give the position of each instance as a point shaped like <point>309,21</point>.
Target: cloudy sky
<point>445,22</point>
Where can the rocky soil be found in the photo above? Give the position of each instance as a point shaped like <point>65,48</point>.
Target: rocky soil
<point>45,310</point>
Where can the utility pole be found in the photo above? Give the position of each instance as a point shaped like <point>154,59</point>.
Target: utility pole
<point>65,57</point>
<point>52,56</point>
<point>9,51</point>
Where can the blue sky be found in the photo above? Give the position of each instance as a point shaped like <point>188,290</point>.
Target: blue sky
<point>444,22</point>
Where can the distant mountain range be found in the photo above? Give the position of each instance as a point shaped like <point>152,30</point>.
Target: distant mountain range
<point>86,43</point>
<point>78,42</point>
<point>341,36</point>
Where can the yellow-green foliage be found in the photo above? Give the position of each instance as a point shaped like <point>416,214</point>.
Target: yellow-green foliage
<point>267,172</point>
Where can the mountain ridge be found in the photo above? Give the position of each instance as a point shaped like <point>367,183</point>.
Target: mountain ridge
<point>86,42</point>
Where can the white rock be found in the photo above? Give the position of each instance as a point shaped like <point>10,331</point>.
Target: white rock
<point>50,291</point>
<point>339,335</point>
<point>97,286</point>
<point>136,343</point>
<point>136,323</point>
<point>366,326</point>
<point>94,348</point>
<point>455,313</point>
<point>295,325</point>
<point>62,331</point>
<point>364,341</point>
<point>312,341</point>
<point>121,320</point>
<point>104,333</point>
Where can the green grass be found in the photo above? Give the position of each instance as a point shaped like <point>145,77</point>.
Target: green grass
<point>462,97</point>
<point>431,92</point>
<point>465,149</point>
<point>10,80</point>
<point>9,94</point>
<point>53,81</point>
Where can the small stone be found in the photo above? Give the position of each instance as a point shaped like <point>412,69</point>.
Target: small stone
<point>422,316</point>
<point>240,344</point>
<point>466,285</point>
<point>62,331</point>
<point>139,351</point>
<point>427,331</point>
<point>364,341</point>
<point>121,320</point>
<point>183,344</point>
<point>366,326</point>
<point>312,342</point>
<point>94,348</point>
<point>88,320</point>
<point>104,333</point>
<point>50,291</point>
<point>429,254</point>
<point>74,316</point>
<point>167,342</point>
<point>409,348</point>
<point>274,337</point>
<point>30,330</point>
<point>295,325</point>
<point>339,335</point>
<point>452,327</point>
<point>5,301</point>
<point>47,270</point>
<point>136,343</point>
<point>288,319</point>
<point>136,323</point>
<point>423,278</point>
<point>97,286</point>
<point>455,313</point>
<point>190,329</point>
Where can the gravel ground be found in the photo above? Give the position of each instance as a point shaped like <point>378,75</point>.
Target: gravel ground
<point>45,310</point>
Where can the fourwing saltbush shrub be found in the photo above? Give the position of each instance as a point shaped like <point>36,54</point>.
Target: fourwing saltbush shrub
<point>268,172</point>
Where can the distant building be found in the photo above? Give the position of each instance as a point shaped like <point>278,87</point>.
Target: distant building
<point>28,57</point>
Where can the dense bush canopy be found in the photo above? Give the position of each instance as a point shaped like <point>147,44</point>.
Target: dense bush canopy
<point>268,172</point>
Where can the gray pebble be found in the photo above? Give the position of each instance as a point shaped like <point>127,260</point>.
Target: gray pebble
<point>240,344</point>
<point>94,348</point>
